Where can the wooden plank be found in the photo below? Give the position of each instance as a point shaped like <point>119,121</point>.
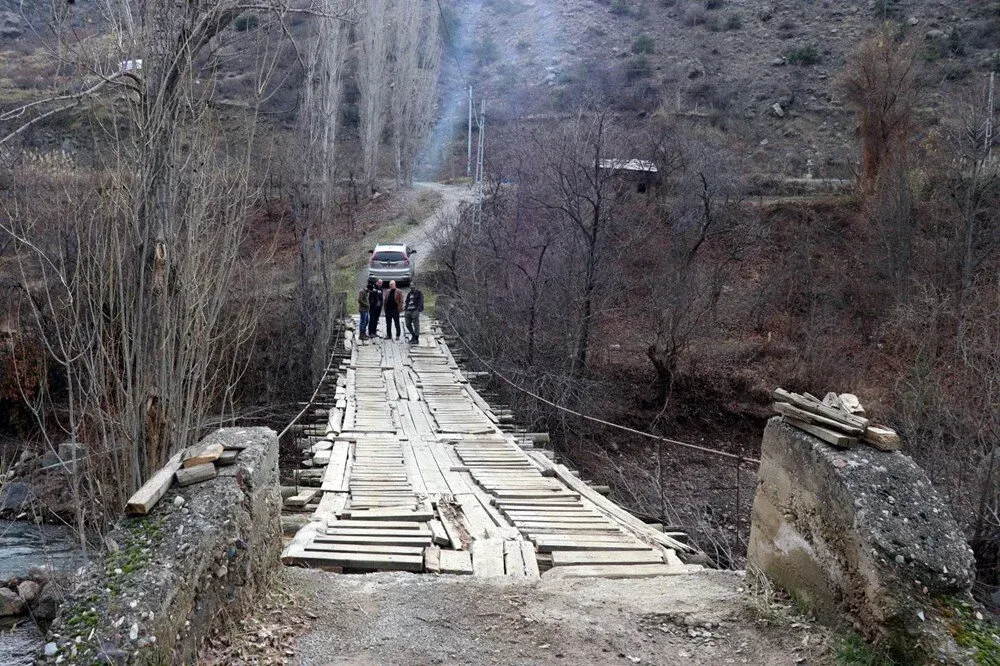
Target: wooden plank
<point>187,476</point>
<point>374,540</point>
<point>817,407</point>
<point>837,439</point>
<point>456,562</point>
<point>579,557</point>
<point>513,560</point>
<point>156,487</point>
<point>612,510</point>
<point>439,533</point>
<point>550,543</point>
<point>530,559</point>
<point>614,571</point>
<point>487,558</point>
<point>228,457</point>
<point>373,561</point>
<point>421,528</point>
<point>791,411</point>
<point>365,548</point>
<point>201,454</point>
<point>432,559</point>
<point>419,515</point>
<point>304,497</point>
<point>336,530</point>
<point>882,439</point>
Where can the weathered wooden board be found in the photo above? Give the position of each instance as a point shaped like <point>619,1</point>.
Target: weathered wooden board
<point>614,571</point>
<point>588,557</point>
<point>488,558</point>
<point>205,472</point>
<point>201,454</point>
<point>156,487</point>
<point>456,562</point>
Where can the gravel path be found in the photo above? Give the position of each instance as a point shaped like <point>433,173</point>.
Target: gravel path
<point>424,619</point>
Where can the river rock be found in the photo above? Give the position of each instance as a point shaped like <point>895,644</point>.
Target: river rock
<point>10,603</point>
<point>47,603</point>
<point>28,591</point>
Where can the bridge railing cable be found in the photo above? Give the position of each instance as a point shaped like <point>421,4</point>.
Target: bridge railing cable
<point>667,440</point>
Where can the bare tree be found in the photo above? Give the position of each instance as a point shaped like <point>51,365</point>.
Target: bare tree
<point>132,284</point>
<point>880,81</point>
<point>416,58</point>
<point>374,76</point>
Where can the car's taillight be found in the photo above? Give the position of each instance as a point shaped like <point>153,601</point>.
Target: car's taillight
<point>406,261</point>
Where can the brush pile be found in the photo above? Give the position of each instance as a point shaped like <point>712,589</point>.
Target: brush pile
<point>836,419</point>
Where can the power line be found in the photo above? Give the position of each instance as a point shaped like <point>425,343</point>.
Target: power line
<point>675,442</point>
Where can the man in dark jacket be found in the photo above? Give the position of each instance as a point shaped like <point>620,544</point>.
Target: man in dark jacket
<point>363,310</point>
<point>375,308</point>
<point>393,303</point>
<point>414,306</point>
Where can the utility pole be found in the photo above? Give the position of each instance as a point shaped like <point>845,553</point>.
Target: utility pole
<point>479,164</point>
<point>468,164</point>
<point>989,121</point>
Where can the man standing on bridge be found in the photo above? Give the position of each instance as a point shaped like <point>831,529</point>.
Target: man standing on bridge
<point>393,303</point>
<point>375,305</point>
<point>414,306</point>
<point>363,310</point>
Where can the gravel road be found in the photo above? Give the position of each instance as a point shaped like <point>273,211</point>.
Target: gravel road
<point>426,619</point>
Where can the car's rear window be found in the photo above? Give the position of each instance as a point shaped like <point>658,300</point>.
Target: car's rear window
<point>388,256</point>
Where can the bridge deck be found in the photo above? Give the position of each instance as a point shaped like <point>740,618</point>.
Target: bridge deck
<point>420,477</point>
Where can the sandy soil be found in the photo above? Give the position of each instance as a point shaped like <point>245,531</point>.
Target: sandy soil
<point>423,619</point>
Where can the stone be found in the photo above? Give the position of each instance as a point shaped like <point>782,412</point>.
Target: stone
<point>179,501</point>
<point>10,603</point>
<point>777,110</point>
<point>935,34</point>
<point>47,603</point>
<point>28,591</point>
<point>778,62</point>
<point>133,632</point>
<point>51,649</point>
<point>913,20</point>
<point>823,529</point>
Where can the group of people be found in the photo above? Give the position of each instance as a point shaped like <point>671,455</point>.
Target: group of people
<point>373,300</point>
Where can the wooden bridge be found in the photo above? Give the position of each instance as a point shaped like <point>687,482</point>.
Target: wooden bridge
<point>416,472</point>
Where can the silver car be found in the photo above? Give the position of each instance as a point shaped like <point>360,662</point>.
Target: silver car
<point>391,262</point>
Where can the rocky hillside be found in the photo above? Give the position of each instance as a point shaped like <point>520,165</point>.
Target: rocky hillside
<point>763,70</point>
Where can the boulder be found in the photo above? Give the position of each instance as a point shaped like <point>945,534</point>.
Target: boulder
<point>10,603</point>
<point>28,590</point>
<point>862,533</point>
<point>47,603</point>
<point>777,110</point>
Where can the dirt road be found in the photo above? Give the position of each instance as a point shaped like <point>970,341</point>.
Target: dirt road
<point>425,235</point>
<point>398,618</point>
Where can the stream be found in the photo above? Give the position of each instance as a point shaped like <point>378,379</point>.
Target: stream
<point>24,545</point>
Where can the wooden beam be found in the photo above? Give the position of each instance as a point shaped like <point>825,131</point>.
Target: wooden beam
<point>156,487</point>
<point>189,475</point>
<point>199,455</point>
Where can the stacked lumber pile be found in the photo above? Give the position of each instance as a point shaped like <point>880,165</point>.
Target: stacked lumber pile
<point>836,419</point>
<point>192,465</point>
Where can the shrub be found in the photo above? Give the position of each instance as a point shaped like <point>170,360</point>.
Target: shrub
<point>643,44</point>
<point>638,68</point>
<point>523,45</point>
<point>487,51</point>
<point>995,62</point>
<point>766,14</point>
<point>804,56</point>
<point>713,24</point>
<point>957,70</point>
<point>956,43</point>
<point>695,14</point>
<point>734,22</point>
<point>246,21</point>
<point>884,8</point>
<point>714,4</point>
<point>620,7</point>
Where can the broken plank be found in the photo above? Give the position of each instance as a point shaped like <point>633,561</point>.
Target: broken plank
<point>530,559</point>
<point>373,561</point>
<point>513,559</point>
<point>882,439</point>
<point>302,498</point>
<point>432,559</point>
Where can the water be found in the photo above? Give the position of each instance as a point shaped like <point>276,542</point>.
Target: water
<point>24,545</point>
